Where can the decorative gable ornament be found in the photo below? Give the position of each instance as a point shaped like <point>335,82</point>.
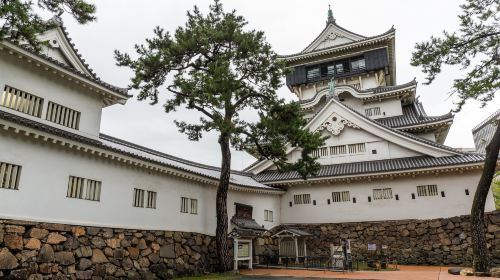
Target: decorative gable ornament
<point>332,36</point>
<point>335,124</point>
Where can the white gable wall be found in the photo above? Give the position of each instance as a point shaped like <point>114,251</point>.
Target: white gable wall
<point>37,81</point>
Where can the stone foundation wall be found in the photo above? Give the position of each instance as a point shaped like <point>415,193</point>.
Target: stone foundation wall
<point>57,251</point>
<point>439,241</point>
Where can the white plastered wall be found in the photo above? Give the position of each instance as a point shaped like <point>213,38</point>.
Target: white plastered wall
<point>44,180</point>
<point>455,202</point>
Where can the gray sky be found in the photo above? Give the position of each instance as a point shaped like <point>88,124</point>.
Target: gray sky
<point>289,26</point>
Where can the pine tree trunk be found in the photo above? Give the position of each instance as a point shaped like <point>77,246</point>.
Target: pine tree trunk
<point>221,206</point>
<point>481,259</point>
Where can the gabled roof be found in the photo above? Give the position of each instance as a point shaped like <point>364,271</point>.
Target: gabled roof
<point>408,140</point>
<point>69,64</point>
<point>111,144</point>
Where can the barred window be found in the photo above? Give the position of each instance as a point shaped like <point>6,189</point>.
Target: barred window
<point>357,148</point>
<point>375,111</point>
<point>62,115</point>
<point>338,150</point>
<point>138,198</point>
<point>382,193</point>
<point>194,206</point>
<point>21,101</point>
<point>341,196</point>
<point>427,190</point>
<point>9,176</point>
<point>151,202</point>
<point>302,199</point>
<point>268,215</point>
<point>184,204</point>
<point>82,188</point>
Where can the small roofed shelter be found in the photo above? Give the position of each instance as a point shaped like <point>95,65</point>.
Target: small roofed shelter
<point>292,244</point>
<point>244,230</point>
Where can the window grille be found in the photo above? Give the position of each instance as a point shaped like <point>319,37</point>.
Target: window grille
<point>151,201</point>
<point>268,215</point>
<point>313,73</point>
<point>9,176</point>
<point>62,115</point>
<point>302,199</point>
<point>379,194</point>
<point>427,190</point>
<point>375,111</point>
<point>341,196</point>
<point>321,152</point>
<point>357,148</point>
<point>194,206</point>
<point>358,64</point>
<point>338,150</point>
<point>184,204</point>
<point>82,188</point>
<point>138,198</point>
<point>21,101</point>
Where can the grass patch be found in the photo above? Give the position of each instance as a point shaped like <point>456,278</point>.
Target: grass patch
<point>216,276</point>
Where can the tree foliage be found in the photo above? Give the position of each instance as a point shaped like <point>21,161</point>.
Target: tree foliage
<point>220,69</point>
<point>214,65</point>
<point>475,47</point>
<point>20,22</point>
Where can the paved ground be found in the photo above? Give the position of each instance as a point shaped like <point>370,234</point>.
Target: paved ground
<point>404,273</point>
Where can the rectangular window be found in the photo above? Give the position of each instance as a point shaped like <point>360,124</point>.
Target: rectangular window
<point>358,64</point>
<point>338,150</point>
<point>341,196</point>
<point>138,198</point>
<point>313,73</point>
<point>151,201</point>
<point>379,194</point>
<point>357,148</point>
<point>427,190</point>
<point>82,188</point>
<point>339,68</point>
<point>9,176</point>
<point>184,204</point>
<point>268,215</point>
<point>375,111</point>
<point>194,206</point>
<point>62,115</point>
<point>21,101</point>
<point>302,199</point>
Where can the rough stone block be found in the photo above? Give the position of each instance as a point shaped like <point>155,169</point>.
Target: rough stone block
<point>7,260</point>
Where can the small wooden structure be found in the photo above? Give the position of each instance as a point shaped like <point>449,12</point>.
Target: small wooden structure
<point>292,244</point>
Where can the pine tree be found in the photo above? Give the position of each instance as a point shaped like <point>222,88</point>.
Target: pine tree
<point>219,68</point>
<point>475,47</point>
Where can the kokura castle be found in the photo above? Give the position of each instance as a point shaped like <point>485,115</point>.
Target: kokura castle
<point>386,177</point>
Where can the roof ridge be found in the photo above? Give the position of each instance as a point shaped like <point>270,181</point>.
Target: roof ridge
<point>165,155</point>
<point>336,46</point>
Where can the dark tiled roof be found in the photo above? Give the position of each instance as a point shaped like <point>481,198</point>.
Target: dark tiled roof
<point>369,167</point>
<point>413,114</point>
<point>112,144</point>
<point>244,223</point>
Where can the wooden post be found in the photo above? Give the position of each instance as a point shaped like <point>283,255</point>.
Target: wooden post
<point>250,252</point>
<point>279,251</point>
<point>296,250</point>
<point>235,254</point>
<point>305,249</point>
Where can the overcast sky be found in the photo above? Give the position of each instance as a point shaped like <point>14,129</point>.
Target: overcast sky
<point>289,26</point>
